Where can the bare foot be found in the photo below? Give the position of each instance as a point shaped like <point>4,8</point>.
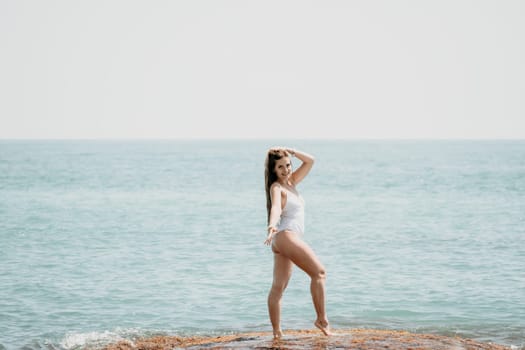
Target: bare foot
<point>323,326</point>
<point>277,335</point>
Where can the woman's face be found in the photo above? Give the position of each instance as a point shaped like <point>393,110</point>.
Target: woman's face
<point>283,169</point>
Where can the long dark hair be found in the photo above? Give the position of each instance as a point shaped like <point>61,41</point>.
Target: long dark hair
<point>269,174</point>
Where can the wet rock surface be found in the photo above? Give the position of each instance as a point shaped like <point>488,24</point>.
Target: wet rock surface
<point>365,339</point>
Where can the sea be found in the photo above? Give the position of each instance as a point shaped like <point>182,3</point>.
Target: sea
<point>104,240</point>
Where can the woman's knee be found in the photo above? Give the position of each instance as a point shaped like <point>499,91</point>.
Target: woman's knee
<point>277,290</point>
<point>320,274</point>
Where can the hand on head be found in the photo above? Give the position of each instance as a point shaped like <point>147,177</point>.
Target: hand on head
<point>277,148</point>
<point>281,149</point>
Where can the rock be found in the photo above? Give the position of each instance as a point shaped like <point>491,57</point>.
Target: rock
<point>362,339</point>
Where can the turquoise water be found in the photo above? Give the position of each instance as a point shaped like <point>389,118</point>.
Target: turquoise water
<point>103,240</point>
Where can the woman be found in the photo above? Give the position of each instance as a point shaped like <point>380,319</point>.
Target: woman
<point>285,227</point>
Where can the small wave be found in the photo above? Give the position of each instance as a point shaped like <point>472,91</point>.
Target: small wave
<point>98,340</point>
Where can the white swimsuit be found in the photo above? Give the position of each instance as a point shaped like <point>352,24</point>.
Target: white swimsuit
<point>292,216</point>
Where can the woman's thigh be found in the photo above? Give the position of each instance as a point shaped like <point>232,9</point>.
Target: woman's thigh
<point>294,248</point>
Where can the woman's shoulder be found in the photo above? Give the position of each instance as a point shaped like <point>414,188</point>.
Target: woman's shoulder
<point>276,185</point>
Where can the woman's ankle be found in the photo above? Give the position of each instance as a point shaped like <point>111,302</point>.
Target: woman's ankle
<point>322,324</point>
<point>277,334</point>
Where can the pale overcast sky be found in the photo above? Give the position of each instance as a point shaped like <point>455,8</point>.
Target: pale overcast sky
<point>262,69</point>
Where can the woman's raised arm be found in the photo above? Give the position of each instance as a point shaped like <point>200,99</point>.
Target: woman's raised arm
<point>308,161</point>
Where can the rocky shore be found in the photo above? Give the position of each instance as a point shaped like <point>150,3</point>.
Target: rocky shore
<point>362,339</point>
